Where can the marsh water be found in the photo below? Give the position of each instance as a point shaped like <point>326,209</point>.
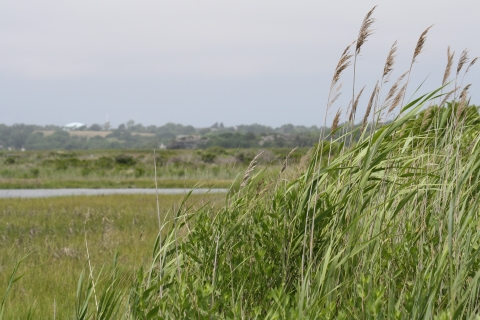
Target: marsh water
<point>42,193</point>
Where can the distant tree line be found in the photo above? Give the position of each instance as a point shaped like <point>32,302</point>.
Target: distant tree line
<point>133,135</point>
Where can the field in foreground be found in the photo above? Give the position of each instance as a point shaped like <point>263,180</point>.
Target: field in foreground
<point>53,230</point>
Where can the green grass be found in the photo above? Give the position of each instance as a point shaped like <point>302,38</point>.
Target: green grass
<point>52,232</point>
<point>214,167</point>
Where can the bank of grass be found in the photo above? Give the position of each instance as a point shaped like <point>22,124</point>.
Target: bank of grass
<point>107,183</point>
<point>214,167</point>
<point>52,232</point>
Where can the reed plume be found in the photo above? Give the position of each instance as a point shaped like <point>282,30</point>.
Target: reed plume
<point>447,96</point>
<point>334,94</point>
<point>249,170</point>
<point>463,95</point>
<point>336,120</point>
<point>369,106</point>
<point>420,44</point>
<point>365,30</point>
<point>394,87</point>
<point>448,69</point>
<point>354,106</point>
<point>342,64</point>
<point>463,59</point>
<point>387,69</point>
<point>471,64</point>
<point>463,101</point>
<point>363,34</point>
<point>398,98</point>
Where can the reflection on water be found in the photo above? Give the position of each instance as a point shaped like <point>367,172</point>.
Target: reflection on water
<point>42,193</point>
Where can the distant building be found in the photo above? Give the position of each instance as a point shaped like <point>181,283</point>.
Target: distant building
<point>73,126</point>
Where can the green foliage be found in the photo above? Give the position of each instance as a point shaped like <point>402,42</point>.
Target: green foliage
<point>125,160</point>
<point>386,229</point>
<point>9,160</point>
<point>137,136</point>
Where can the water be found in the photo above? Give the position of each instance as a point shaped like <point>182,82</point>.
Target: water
<point>43,193</point>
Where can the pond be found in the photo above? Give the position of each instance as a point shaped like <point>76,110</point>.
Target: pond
<point>42,193</point>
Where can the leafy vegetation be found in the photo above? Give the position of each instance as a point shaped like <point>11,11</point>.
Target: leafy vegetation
<point>213,167</point>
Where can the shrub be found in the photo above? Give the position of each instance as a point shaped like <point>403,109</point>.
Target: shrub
<point>125,160</point>
<point>208,157</point>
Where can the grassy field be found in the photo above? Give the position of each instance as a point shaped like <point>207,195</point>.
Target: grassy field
<point>214,167</point>
<point>52,232</point>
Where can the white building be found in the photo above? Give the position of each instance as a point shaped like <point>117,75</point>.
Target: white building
<point>73,126</point>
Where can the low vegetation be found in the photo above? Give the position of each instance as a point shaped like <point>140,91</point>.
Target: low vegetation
<point>53,234</point>
<point>213,167</point>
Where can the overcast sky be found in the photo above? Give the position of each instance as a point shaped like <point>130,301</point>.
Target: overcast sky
<point>201,62</point>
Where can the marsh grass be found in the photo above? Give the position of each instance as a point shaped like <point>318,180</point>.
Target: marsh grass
<point>52,232</point>
<point>214,167</point>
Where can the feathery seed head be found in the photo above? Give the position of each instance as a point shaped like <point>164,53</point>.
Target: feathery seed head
<point>369,107</point>
<point>398,98</point>
<point>365,30</point>
<point>420,44</point>
<point>354,106</point>
<point>464,93</point>
<point>448,69</point>
<point>447,96</point>
<point>394,87</point>
<point>249,170</point>
<point>336,120</point>
<point>463,59</point>
<point>471,64</point>
<point>342,64</point>
<point>387,69</point>
<point>462,104</point>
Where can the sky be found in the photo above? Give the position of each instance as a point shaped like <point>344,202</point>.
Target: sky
<point>201,62</point>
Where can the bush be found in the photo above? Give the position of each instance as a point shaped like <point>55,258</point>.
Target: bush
<point>125,160</point>
<point>104,163</point>
<point>208,157</point>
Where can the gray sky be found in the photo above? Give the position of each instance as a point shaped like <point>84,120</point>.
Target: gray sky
<point>200,62</point>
